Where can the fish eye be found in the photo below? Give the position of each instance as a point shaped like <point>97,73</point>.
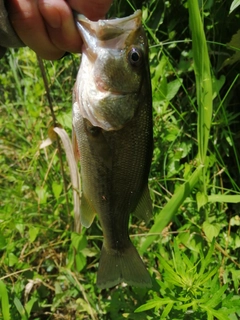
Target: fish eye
<point>135,56</point>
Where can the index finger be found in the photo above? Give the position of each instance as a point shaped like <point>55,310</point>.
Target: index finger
<point>92,9</point>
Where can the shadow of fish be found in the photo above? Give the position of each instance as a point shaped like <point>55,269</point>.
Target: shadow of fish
<point>112,128</point>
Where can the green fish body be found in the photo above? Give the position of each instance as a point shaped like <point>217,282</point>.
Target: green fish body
<point>112,126</point>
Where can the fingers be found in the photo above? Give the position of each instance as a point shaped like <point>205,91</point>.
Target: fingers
<point>60,25</point>
<point>29,25</point>
<point>92,9</point>
<point>48,26</point>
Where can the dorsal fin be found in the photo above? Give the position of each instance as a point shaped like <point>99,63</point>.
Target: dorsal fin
<point>144,206</point>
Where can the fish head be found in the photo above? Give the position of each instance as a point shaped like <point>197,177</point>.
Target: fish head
<point>113,70</point>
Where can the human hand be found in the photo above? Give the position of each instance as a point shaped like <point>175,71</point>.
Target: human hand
<point>48,26</point>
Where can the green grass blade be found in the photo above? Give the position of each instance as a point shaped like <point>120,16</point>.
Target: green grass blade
<point>171,208</point>
<point>20,309</point>
<point>207,260</point>
<point>224,198</point>
<point>203,78</point>
<point>4,301</point>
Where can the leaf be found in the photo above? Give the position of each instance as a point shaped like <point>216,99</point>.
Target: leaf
<point>193,241</point>
<point>29,305</point>
<point>217,85</point>
<point>33,233</point>
<point>167,309</point>
<point>207,260</point>
<point>42,194</point>
<point>211,230</point>
<point>236,279</point>
<point>159,72</point>
<point>202,199</point>
<point>20,309</point>
<point>4,301</point>
<point>203,78</point>
<point>20,227</point>
<point>65,119</point>
<point>84,306</point>
<point>182,263</point>
<point>172,88</point>
<point>220,315</point>
<point>217,297</point>
<point>162,88</point>
<point>224,198</point>
<point>2,242</point>
<point>234,5</point>
<point>234,44</point>
<point>79,241</point>
<point>12,259</point>
<point>206,276</point>
<point>80,261</point>
<point>235,221</point>
<point>171,274</point>
<point>157,303</point>
<point>57,189</point>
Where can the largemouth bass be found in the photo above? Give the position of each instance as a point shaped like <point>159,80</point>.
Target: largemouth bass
<point>112,126</point>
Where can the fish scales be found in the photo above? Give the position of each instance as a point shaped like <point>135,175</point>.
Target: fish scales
<point>112,123</point>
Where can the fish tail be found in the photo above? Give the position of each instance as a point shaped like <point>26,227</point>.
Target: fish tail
<point>116,267</point>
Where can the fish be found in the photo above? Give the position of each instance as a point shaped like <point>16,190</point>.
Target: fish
<point>113,136</point>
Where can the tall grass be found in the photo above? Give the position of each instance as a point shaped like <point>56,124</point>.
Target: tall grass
<point>48,271</point>
<point>204,114</point>
<point>205,97</point>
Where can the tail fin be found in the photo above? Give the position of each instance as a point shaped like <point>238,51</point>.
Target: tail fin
<point>127,266</point>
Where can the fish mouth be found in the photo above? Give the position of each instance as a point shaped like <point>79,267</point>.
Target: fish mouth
<point>110,33</point>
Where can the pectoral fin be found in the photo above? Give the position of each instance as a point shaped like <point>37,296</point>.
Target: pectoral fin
<point>87,213</point>
<point>144,207</point>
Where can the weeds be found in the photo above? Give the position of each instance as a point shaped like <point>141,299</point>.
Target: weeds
<point>191,290</point>
<point>191,248</point>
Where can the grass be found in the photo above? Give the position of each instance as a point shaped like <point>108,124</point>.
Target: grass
<point>191,247</point>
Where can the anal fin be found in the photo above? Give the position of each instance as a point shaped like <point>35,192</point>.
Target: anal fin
<point>87,213</point>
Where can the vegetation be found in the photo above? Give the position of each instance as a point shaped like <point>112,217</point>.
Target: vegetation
<point>192,246</point>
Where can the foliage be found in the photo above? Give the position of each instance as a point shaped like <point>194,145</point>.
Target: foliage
<point>191,247</point>
<point>191,290</point>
